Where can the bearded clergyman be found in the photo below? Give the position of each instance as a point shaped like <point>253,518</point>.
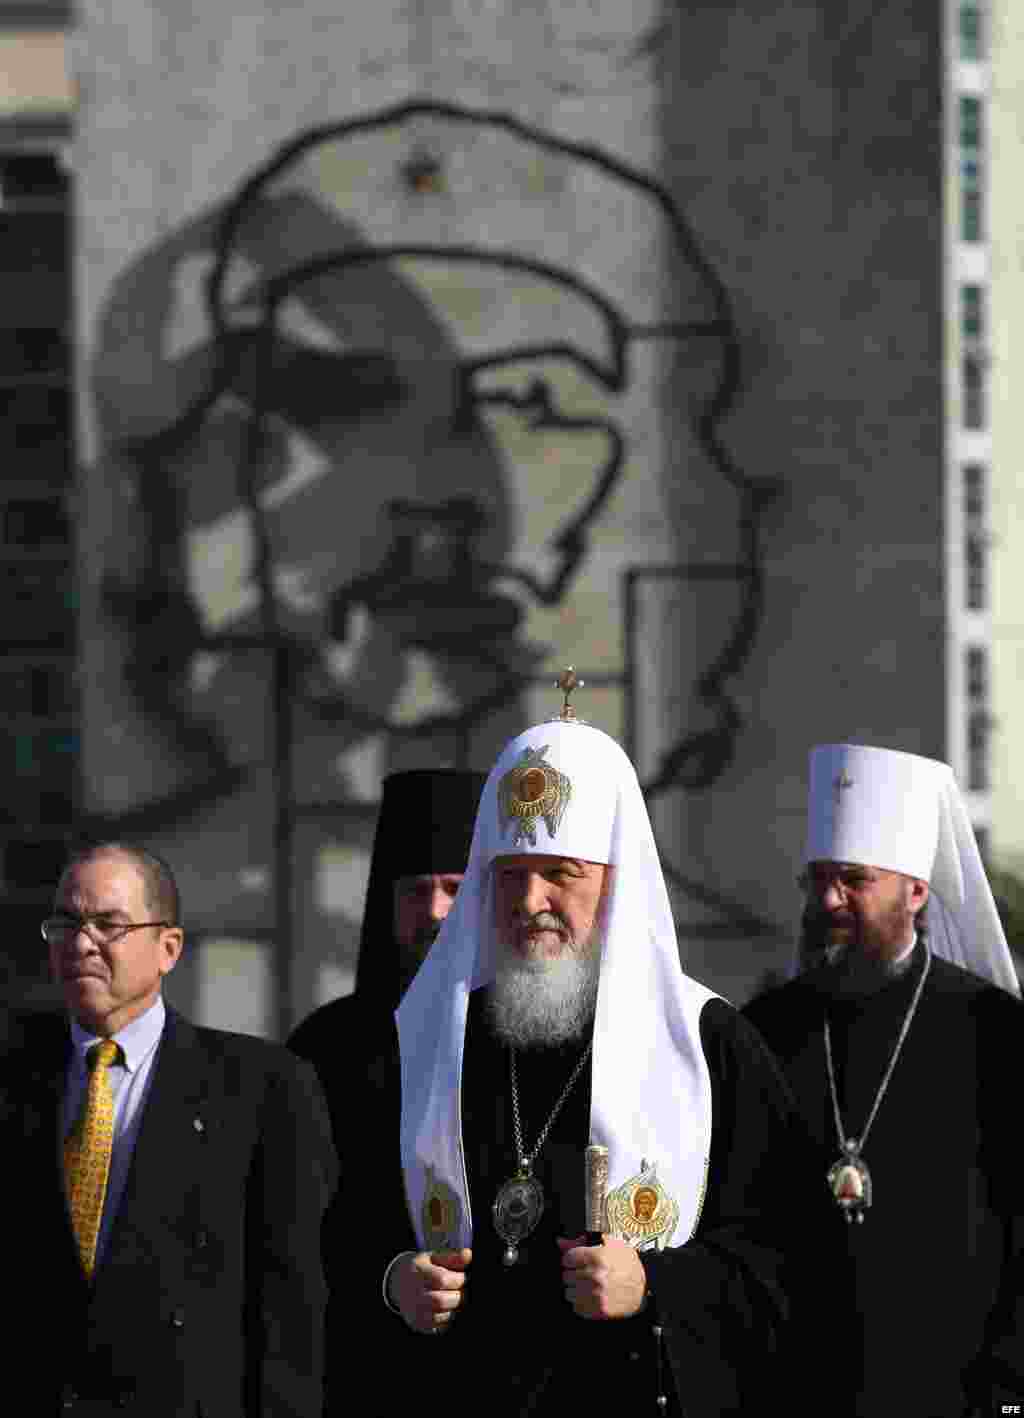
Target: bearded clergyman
<point>552,1016</point>
<point>419,856</point>
<point>900,1039</point>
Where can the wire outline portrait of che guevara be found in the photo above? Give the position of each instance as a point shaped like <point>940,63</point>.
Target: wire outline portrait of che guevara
<point>253,381</point>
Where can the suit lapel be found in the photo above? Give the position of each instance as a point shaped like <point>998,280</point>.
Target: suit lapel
<point>168,1147</point>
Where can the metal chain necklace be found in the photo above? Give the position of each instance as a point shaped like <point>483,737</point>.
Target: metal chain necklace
<point>849,1180</point>
<point>519,1203</point>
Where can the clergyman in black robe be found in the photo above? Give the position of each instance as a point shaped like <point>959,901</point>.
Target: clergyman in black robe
<point>516,1347</point>
<point>419,856</point>
<point>548,1322</point>
<point>909,1297</point>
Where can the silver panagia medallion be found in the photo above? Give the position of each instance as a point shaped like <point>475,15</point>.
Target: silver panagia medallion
<point>517,1209</point>
<point>849,1181</point>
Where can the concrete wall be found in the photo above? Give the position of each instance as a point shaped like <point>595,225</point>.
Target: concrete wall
<point>816,138</point>
<point>804,150</point>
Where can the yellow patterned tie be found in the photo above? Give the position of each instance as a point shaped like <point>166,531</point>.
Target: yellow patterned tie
<point>87,1152</point>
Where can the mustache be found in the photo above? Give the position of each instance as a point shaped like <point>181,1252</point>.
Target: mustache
<point>543,921</point>
<point>817,922</point>
<point>818,937</point>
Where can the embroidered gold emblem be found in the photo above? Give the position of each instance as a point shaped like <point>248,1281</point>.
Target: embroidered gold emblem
<point>530,790</point>
<point>641,1211</point>
<point>440,1213</point>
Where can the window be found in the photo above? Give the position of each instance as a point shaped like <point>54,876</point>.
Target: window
<point>977,673</point>
<point>973,393</point>
<point>970,123</point>
<point>971,205</point>
<point>972,312</point>
<point>974,493</point>
<point>970,32</point>
<point>970,215</point>
<point>978,719</point>
<point>35,522</point>
<point>975,537</point>
<point>972,329</point>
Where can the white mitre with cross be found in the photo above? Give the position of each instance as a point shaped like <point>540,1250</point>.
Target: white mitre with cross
<point>900,812</point>
<point>563,788</point>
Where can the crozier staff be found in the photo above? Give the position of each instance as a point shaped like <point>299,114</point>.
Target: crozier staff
<point>899,1040</point>
<point>552,1010</point>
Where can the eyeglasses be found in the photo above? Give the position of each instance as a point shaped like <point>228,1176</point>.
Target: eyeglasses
<point>844,879</point>
<point>104,930</point>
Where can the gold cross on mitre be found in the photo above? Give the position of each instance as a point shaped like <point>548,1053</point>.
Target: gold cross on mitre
<point>839,786</point>
<point>567,682</point>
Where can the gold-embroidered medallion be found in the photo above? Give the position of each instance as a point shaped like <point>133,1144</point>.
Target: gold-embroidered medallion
<point>440,1213</point>
<point>530,790</point>
<point>641,1211</point>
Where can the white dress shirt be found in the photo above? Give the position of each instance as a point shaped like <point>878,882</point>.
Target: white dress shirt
<point>129,1083</point>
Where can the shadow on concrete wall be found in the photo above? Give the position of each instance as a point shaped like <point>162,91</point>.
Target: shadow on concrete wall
<point>313,504</point>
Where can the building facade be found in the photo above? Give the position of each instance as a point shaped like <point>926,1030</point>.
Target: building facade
<point>1000,49</point>
<point>427,348</point>
<point>38,693</point>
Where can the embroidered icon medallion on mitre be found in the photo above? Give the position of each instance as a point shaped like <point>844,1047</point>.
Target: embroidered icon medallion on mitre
<point>530,790</point>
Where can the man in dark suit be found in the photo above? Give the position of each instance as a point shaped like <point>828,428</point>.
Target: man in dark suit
<point>165,1183</point>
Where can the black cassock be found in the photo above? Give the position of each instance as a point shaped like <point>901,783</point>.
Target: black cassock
<point>516,1347</point>
<point>918,1312</point>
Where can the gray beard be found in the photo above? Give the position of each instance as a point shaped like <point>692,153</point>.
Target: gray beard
<point>537,1003</point>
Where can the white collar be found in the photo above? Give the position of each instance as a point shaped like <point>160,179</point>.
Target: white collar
<point>137,1039</point>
